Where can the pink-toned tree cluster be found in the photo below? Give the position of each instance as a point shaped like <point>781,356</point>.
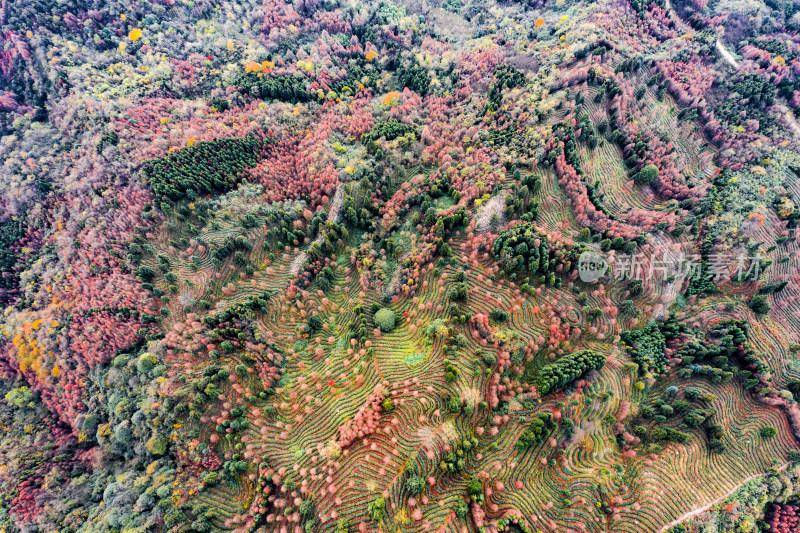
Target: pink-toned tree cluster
<point>783,518</point>
<point>585,211</point>
<point>670,183</point>
<point>278,16</point>
<point>300,166</point>
<point>365,421</point>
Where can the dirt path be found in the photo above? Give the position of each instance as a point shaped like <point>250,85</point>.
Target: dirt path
<point>791,120</point>
<point>787,114</point>
<point>493,206</point>
<point>727,56</point>
<point>692,514</point>
<point>333,216</point>
<point>670,290</point>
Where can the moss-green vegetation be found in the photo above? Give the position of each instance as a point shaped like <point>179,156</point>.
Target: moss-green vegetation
<point>204,167</point>
<point>567,369</point>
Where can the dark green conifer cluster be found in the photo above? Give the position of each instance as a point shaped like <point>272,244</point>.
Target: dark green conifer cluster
<point>290,89</point>
<point>205,167</point>
<point>568,369</point>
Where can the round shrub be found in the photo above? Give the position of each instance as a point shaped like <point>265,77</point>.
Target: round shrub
<point>475,489</point>
<point>306,508</point>
<point>647,175</point>
<point>123,433</point>
<point>145,501</point>
<point>384,319</point>
<point>156,445</point>
<point>461,509</point>
<point>377,509</point>
<point>145,363</point>
<point>415,484</point>
<point>89,425</point>
<point>314,322</point>
<point>498,315</point>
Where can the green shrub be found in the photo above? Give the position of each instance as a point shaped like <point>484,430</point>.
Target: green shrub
<point>314,322</point>
<point>459,292</point>
<point>145,273</point>
<point>389,130</point>
<point>759,304</point>
<point>475,489</point>
<point>695,417</point>
<point>20,397</point>
<point>415,484</point>
<point>461,509</point>
<point>498,315</point>
<point>205,167</point>
<point>567,369</point>
<point>210,478</point>
<point>145,363</point>
<point>157,445</point>
<point>286,88</point>
<point>524,248</point>
<point>377,509</point>
<point>692,393</point>
<point>647,346</point>
<point>648,175</point>
<point>123,433</point>
<point>384,319</point>
<point>538,429</point>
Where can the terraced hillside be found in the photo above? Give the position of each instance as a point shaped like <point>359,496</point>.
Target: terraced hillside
<point>416,266</point>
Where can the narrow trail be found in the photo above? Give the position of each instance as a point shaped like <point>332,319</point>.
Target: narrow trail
<point>333,216</point>
<point>494,206</point>
<point>680,21</point>
<point>726,55</point>
<point>730,60</point>
<point>791,121</point>
<point>787,114</point>
<point>695,512</point>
